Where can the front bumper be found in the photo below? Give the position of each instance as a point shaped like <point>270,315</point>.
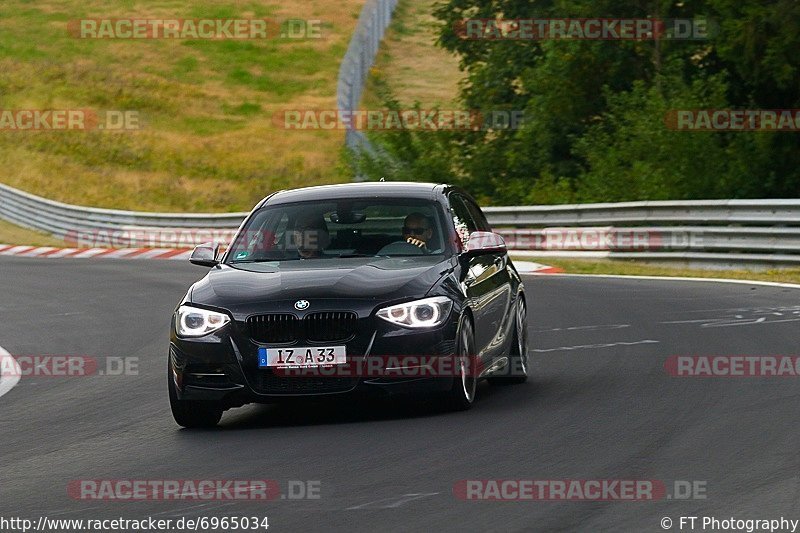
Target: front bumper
<point>223,366</point>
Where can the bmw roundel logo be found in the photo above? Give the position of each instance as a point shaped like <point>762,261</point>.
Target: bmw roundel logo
<point>301,305</point>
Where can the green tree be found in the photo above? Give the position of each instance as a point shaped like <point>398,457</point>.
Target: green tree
<point>594,110</point>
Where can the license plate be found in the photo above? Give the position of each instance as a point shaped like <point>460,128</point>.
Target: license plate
<point>300,357</point>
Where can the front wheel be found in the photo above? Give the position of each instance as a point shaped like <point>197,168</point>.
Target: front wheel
<point>462,393</point>
<point>518,362</point>
<point>191,413</point>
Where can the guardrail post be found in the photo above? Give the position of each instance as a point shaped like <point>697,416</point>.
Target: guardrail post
<point>376,15</point>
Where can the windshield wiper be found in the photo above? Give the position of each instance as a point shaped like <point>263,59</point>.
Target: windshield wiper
<point>244,261</point>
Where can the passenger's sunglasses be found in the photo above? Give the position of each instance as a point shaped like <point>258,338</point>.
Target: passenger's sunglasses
<point>414,231</point>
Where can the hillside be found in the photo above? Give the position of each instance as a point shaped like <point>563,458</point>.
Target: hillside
<point>410,63</point>
<point>207,141</point>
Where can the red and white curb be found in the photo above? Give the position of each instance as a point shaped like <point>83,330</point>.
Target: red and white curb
<point>48,252</point>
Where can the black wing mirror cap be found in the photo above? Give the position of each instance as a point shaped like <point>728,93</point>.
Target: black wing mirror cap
<point>205,255</point>
<point>481,242</point>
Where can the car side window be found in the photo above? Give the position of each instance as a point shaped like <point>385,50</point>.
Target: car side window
<point>462,219</point>
<point>477,215</point>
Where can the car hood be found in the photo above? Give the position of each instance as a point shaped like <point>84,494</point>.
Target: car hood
<point>243,287</point>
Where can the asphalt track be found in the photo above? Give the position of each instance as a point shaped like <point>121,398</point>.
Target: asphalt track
<point>600,406</point>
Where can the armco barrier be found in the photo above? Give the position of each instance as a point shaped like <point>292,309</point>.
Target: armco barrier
<point>65,221</point>
<point>354,70</point>
<point>722,231</point>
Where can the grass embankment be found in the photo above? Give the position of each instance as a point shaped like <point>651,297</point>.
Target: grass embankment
<point>630,268</point>
<point>208,141</point>
<point>409,62</point>
<point>11,234</point>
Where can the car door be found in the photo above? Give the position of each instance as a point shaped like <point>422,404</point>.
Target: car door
<point>502,286</point>
<point>485,280</point>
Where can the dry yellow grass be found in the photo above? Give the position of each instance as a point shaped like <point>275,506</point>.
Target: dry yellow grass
<point>415,69</point>
<point>208,142</point>
<point>11,234</point>
<point>632,268</point>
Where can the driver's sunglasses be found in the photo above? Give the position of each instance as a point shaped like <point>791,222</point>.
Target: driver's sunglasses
<point>414,231</point>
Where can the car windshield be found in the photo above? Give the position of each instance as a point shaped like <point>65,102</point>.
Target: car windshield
<point>387,227</point>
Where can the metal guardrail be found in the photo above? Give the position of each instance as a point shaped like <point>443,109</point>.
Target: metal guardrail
<point>726,233</point>
<point>728,246</point>
<point>718,231</point>
<point>354,70</point>
<point>699,212</point>
<point>73,223</point>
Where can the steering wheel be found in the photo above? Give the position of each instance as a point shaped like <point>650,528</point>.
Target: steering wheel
<point>401,248</point>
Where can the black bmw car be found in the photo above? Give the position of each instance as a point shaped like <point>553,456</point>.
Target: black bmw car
<point>359,288</point>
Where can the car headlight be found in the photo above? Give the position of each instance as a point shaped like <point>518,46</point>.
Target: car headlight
<point>196,322</point>
<point>427,313</point>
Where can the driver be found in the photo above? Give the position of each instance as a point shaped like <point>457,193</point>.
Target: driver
<point>310,235</point>
<point>417,230</point>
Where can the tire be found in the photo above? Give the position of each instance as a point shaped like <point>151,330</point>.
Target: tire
<point>518,367</point>
<point>190,413</point>
<point>462,393</point>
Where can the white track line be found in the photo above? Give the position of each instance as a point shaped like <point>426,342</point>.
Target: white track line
<point>671,278</point>
<point>529,267</point>
<point>7,381</point>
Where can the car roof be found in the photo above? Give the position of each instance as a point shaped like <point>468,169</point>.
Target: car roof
<point>373,189</point>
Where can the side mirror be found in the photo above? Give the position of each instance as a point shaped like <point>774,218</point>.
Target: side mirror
<point>485,242</point>
<point>205,255</point>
